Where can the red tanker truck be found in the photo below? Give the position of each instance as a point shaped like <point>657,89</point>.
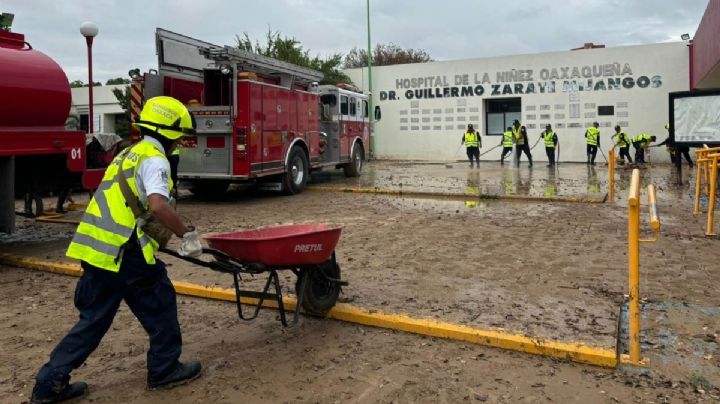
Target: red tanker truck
<point>37,153</point>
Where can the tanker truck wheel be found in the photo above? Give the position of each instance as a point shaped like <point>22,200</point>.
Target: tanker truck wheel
<point>320,293</point>
<point>296,172</point>
<point>354,168</point>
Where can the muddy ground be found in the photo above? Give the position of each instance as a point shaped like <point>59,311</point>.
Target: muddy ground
<point>549,270</point>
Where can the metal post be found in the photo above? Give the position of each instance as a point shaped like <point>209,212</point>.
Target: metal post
<point>611,174</point>
<point>371,112</point>
<point>89,41</point>
<point>634,266</point>
<point>7,194</point>
<point>711,205</point>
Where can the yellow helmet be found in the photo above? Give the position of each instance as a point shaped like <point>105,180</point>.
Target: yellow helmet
<point>667,125</point>
<point>166,116</point>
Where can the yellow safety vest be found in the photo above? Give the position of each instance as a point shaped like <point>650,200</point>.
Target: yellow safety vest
<point>109,222</point>
<point>620,139</point>
<point>592,136</point>
<point>472,139</point>
<point>508,139</point>
<point>548,138</point>
<point>519,139</point>
<point>641,138</point>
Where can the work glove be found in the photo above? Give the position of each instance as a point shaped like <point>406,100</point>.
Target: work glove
<point>191,246</point>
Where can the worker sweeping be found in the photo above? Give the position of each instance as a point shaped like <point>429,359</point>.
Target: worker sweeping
<point>676,151</point>
<point>507,144</point>
<point>640,143</point>
<point>129,218</point>
<point>622,142</point>
<point>550,138</point>
<point>521,143</point>
<point>592,140</point>
<point>473,143</point>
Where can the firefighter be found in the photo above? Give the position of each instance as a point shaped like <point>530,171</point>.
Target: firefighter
<point>592,140</point>
<point>473,143</point>
<point>622,141</point>
<point>521,143</point>
<point>117,256</point>
<point>640,143</point>
<point>550,138</point>
<point>507,144</point>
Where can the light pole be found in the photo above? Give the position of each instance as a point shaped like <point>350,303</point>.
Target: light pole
<point>89,30</point>
<point>371,113</point>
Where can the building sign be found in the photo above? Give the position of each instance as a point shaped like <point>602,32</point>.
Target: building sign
<point>604,77</point>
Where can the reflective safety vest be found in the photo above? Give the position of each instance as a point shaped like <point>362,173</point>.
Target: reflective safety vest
<point>472,139</point>
<point>548,138</point>
<point>508,139</point>
<point>109,222</point>
<point>620,139</point>
<point>519,139</point>
<point>592,136</point>
<point>641,138</point>
<point>176,151</point>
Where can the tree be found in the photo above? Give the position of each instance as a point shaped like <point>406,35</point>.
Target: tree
<point>291,50</point>
<point>117,80</point>
<point>385,55</point>
<point>80,83</point>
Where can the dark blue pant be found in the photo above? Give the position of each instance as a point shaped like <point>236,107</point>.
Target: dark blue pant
<point>473,152</point>
<point>147,291</point>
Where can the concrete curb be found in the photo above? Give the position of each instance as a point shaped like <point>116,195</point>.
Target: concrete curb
<point>575,351</point>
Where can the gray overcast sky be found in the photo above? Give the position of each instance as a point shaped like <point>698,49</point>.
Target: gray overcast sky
<point>456,29</point>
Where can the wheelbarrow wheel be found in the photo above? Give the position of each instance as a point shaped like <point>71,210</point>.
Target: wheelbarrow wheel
<point>320,294</point>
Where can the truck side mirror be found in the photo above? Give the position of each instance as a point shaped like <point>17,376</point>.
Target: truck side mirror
<point>378,114</point>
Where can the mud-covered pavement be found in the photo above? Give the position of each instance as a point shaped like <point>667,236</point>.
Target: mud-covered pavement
<point>549,270</point>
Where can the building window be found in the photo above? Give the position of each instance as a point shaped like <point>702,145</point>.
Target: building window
<point>501,114</point>
<point>606,110</point>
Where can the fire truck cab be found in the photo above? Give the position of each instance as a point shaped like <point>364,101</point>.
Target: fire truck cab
<point>258,119</point>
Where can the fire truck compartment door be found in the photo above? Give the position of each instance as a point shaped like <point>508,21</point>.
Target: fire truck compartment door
<point>331,151</point>
<point>210,153</point>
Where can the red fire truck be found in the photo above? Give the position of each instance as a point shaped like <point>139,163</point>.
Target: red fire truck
<point>37,153</point>
<point>259,119</point>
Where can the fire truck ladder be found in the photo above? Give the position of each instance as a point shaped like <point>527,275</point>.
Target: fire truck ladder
<point>251,62</point>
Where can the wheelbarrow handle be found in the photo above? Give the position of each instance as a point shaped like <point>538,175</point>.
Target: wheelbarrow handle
<point>223,262</point>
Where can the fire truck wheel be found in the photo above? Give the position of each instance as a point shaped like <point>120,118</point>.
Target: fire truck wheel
<point>296,173</point>
<point>354,168</point>
<point>320,293</point>
<point>208,189</point>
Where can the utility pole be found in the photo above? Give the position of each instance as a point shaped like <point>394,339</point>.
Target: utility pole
<point>371,111</point>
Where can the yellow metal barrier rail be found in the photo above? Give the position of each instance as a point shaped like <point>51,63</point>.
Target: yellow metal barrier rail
<point>707,166</point>
<point>634,258</point>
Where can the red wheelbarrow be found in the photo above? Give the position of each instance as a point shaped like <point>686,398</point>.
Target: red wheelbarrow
<point>308,250</point>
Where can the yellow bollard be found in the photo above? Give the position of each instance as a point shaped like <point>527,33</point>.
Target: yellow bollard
<point>611,174</point>
<point>698,182</point>
<point>711,204</point>
<point>634,266</point>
